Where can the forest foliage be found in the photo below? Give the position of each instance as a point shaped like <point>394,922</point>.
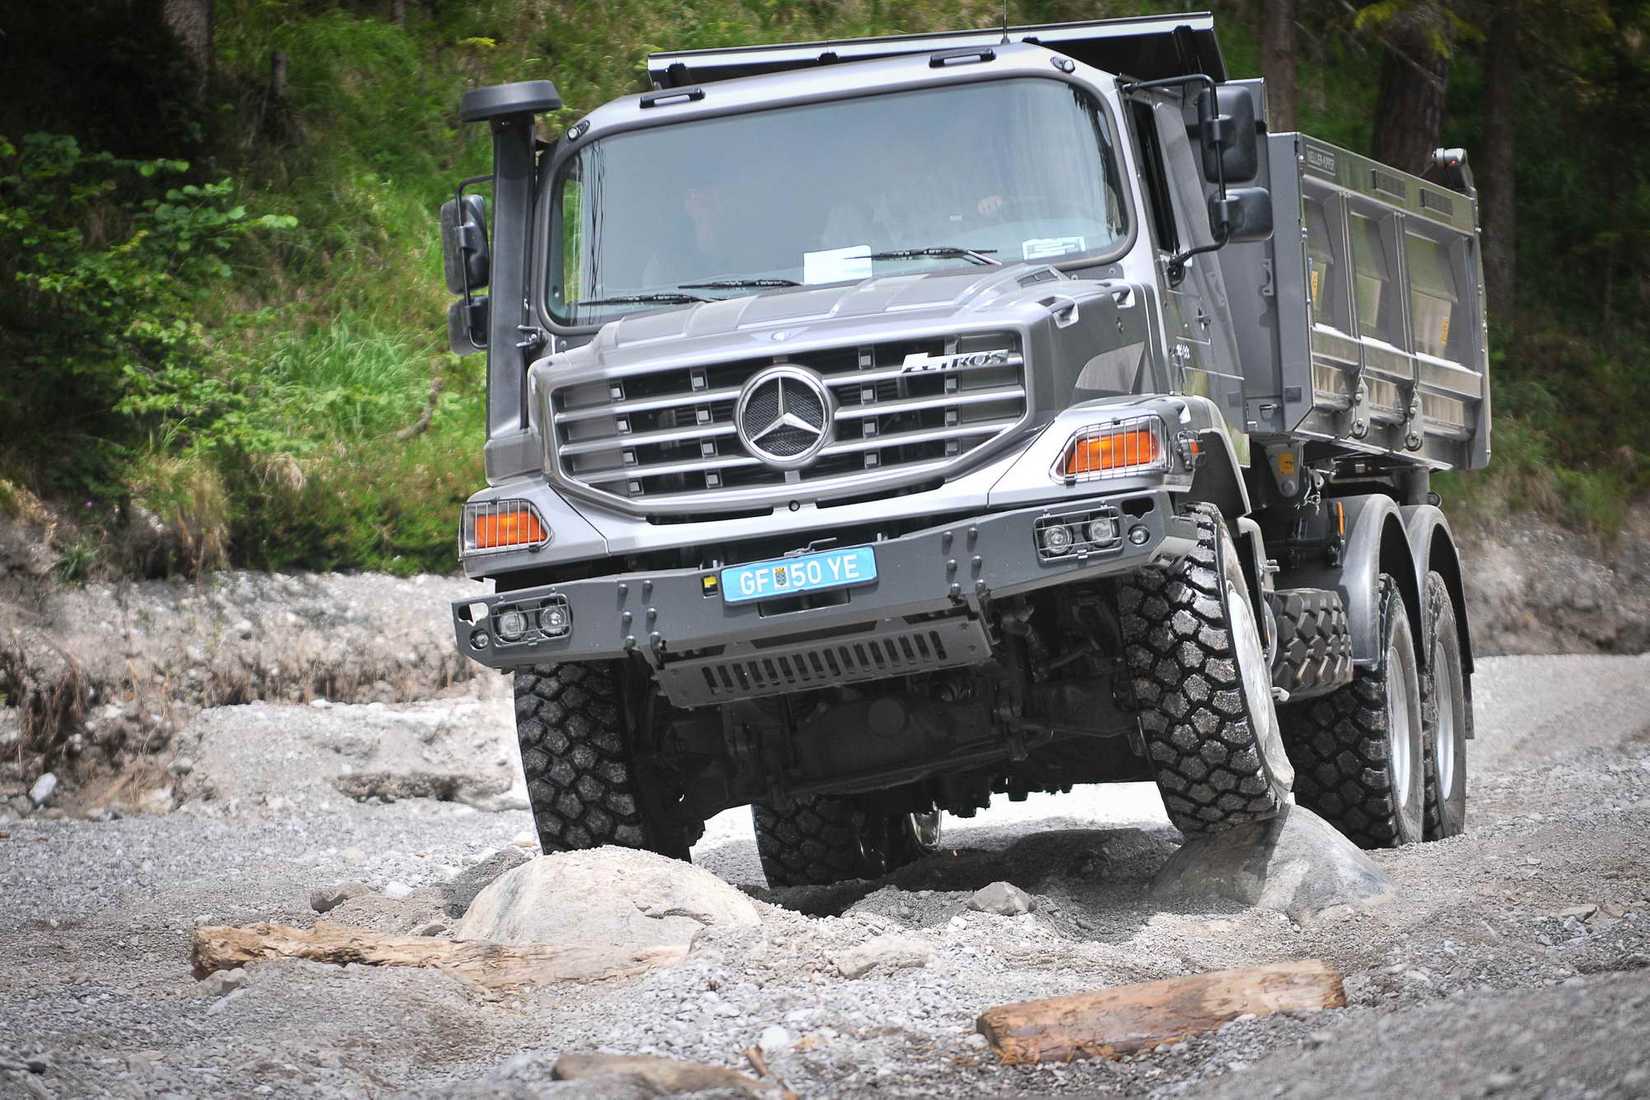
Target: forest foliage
<point>222,312</point>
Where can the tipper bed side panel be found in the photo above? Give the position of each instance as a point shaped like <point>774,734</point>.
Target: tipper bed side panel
<point>1373,293</point>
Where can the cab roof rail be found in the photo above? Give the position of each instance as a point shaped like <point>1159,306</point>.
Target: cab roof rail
<point>1145,48</point>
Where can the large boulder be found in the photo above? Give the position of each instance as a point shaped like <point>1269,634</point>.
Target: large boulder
<point>1296,863</point>
<point>618,896</point>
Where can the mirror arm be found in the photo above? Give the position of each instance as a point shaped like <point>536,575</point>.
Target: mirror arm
<point>1177,263</point>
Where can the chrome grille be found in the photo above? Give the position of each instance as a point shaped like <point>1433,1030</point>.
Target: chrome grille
<point>666,440</point>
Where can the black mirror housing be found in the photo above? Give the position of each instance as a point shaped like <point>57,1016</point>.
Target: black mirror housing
<point>467,325</point>
<point>465,258</point>
<point>1228,135</point>
<point>1244,215</point>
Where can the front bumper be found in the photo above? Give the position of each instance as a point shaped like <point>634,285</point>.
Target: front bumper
<point>667,616</point>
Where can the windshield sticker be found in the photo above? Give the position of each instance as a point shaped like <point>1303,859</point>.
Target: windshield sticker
<point>837,265</point>
<point>1041,248</point>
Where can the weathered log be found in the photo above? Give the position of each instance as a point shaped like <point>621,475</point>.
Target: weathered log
<point>491,966</point>
<point>668,1075</point>
<point>1129,1018</point>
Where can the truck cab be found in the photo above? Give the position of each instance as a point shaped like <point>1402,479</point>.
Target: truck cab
<point>876,426</point>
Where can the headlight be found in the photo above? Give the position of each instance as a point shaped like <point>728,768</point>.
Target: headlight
<point>1126,447</point>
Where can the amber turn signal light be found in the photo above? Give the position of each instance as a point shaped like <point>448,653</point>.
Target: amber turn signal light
<point>502,525</point>
<point>1113,450</point>
<point>508,529</point>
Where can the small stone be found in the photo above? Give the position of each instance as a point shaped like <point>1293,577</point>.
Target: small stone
<point>41,792</point>
<point>774,1040</point>
<point>433,928</point>
<point>1579,912</point>
<point>525,840</point>
<point>352,856</point>
<point>892,952</point>
<point>1003,898</point>
<point>320,704</point>
<point>182,766</point>
<point>324,899</point>
<point>221,983</point>
<point>397,890</point>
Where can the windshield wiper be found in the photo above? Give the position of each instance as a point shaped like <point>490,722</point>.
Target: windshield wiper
<point>738,284</point>
<point>976,255</point>
<point>667,298</point>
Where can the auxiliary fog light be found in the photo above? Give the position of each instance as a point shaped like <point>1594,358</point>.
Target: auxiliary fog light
<point>511,625</point>
<point>553,621</point>
<point>1057,539</point>
<point>1139,535</point>
<point>1102,531</point>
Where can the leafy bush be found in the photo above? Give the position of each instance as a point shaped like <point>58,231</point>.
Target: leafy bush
<point>107,266</point>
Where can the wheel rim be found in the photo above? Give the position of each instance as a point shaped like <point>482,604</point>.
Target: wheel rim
<point>1444,731</point>
<point>1256,676</point>
<point>1399,729</point>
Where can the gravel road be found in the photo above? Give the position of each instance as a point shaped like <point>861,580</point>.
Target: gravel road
<point>1513,961</point>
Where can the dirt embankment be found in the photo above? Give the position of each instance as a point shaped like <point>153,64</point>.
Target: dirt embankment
<point>104,673</point>
<point>1535,587</point>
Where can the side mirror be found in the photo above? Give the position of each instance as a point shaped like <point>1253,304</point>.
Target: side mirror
<point>465,259</point>
<point>467,325</point>
<point>1244,215</point>
<point>1227,134</point>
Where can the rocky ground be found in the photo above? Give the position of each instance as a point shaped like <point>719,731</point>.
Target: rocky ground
<point>1512,961</point>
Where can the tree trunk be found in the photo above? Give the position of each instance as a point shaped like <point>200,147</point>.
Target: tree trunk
<point>1409,114</point>
<point>1501,76</point>
<point>1277,62</point>
<point>398,11</point>
<point>191,23</point>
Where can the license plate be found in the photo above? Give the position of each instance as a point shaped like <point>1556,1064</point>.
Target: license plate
<point>766,580</point>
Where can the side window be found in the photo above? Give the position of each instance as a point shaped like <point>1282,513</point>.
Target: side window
<point>1157,180</point>
<point>568,223</point>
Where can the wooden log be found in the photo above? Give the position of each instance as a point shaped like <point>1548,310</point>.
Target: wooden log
<point>1129,1018</point>
<point>491,966</point>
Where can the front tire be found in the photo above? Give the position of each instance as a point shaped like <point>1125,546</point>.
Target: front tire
<point>818,840</point>
<point>1358,750</point>
<point>1199,674</point>
<point>582,730</point>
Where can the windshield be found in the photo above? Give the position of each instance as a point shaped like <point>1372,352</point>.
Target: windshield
<point>1000,171</point>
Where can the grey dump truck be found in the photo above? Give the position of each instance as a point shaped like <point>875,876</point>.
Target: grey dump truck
<point>875,426</point>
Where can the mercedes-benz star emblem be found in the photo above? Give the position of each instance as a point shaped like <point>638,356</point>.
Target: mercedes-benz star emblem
<point>784,416</point>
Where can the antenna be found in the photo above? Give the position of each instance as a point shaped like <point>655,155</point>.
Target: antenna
<point>1005,22</point>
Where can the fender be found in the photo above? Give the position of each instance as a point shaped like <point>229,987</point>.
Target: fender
<point>1219,479</point>
<point>1376,543</point>
<point>1432,546</point>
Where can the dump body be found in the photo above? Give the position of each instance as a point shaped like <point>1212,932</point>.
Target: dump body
<point>1372,334</point>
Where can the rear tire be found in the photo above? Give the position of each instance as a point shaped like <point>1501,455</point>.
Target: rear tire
<point>581,728</point>
<point>1358,750</point>
<point>1445,699</point>
<point>817,840</point>
<point>1199,674</point>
